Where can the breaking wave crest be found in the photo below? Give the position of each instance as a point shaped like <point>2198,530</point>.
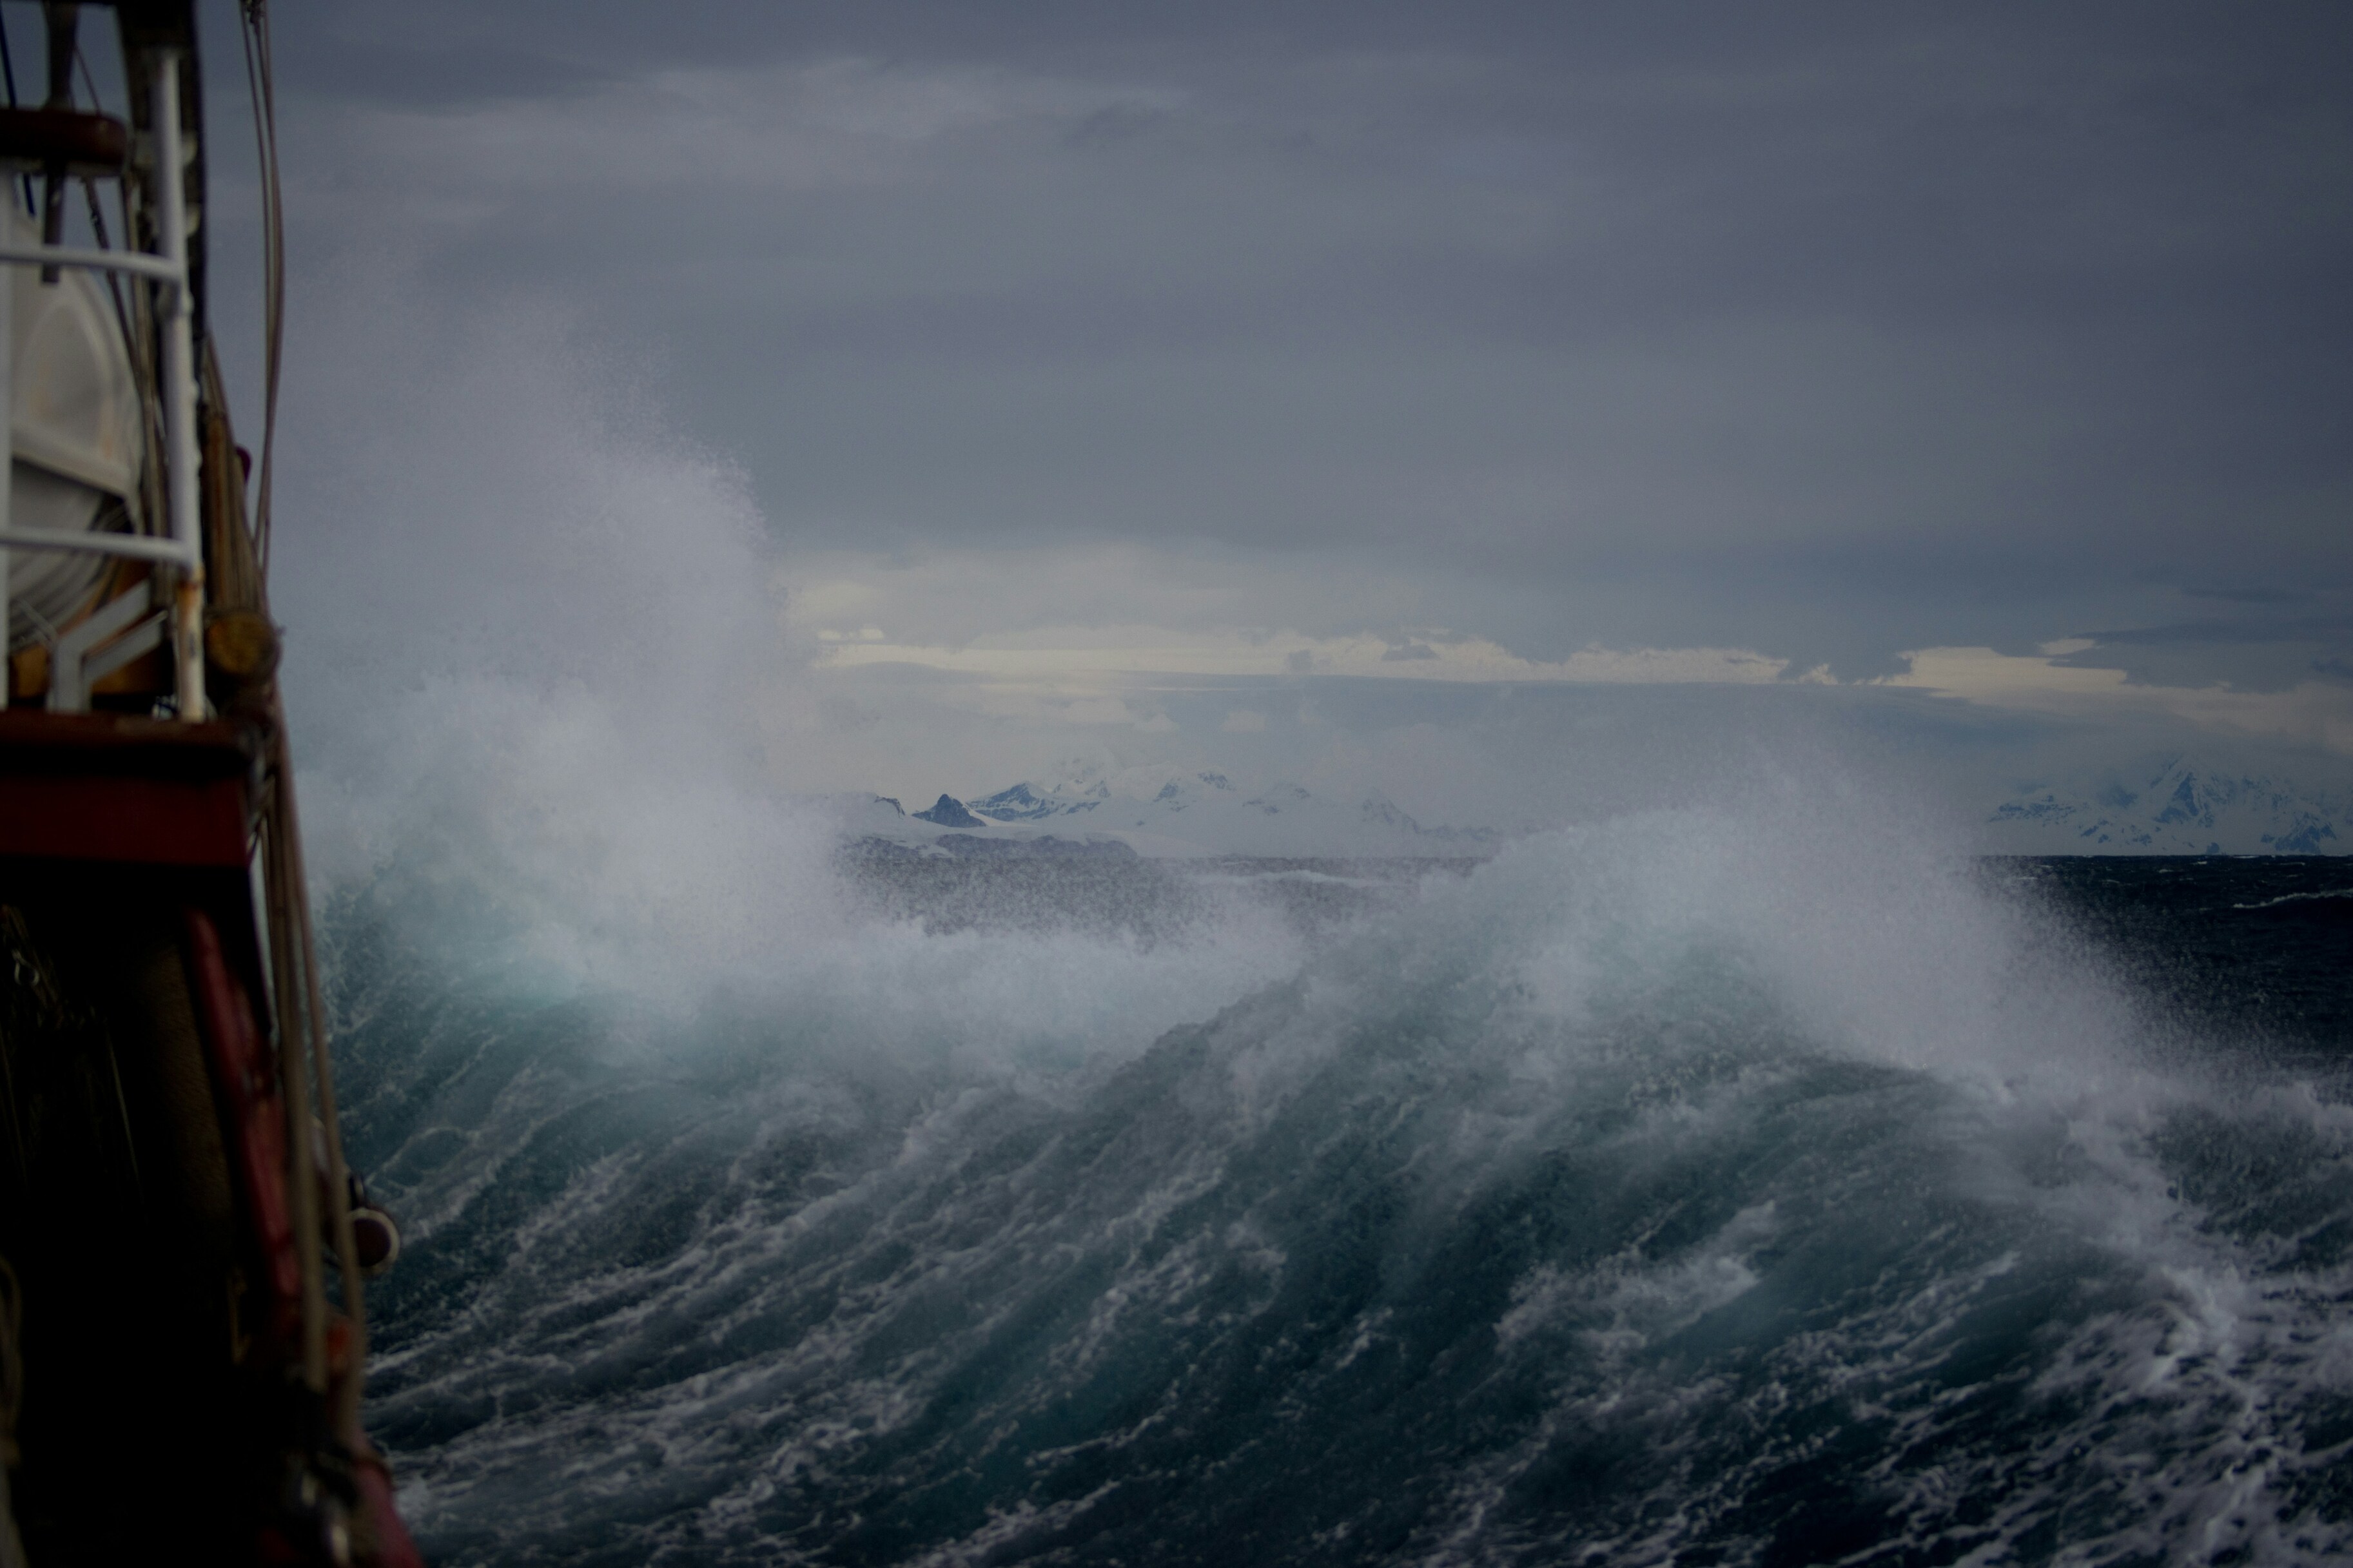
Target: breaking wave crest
<point>1689,1188</point>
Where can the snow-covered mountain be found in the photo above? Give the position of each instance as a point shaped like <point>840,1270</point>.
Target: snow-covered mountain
<point>1168,812</point>
<point>2173,805</point>
<point>2167,805</point>
<point>1160,812</point>
<point>878,824</point>
<point>949,812</point>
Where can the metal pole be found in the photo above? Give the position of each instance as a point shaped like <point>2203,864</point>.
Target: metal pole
<point>137,263</point>
<point>179,390</point>
<point>130,546</point>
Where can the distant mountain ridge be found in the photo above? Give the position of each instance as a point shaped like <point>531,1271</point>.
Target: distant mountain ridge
<point>2164,805</point>
<point>2175,805</point>
<point>1161,811</point>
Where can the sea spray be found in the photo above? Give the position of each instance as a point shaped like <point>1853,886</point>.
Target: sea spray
<point>1747,1184</point>
<point>1688,1186</point>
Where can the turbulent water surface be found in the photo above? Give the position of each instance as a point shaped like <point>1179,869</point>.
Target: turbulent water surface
<point>1640,1195</point>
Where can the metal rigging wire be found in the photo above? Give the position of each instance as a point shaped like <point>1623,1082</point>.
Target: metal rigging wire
<point>260,87</point>
<point>301,1003</point>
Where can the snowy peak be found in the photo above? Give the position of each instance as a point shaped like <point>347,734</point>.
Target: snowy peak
<point>1281,798</point>
<point>1021,803</point>
<point>2170,806</point>
<point>1378,807</point>
<point>949,812</point>
<point>1033,801</point>
<point>1166,810</point>
<point>1180,792</point>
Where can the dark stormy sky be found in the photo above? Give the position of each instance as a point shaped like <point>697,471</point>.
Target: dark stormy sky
<point>1162,379</point>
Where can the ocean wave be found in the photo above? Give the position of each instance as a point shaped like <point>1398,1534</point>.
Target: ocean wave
<point>2296,899</point>
<point>1676,1189</point>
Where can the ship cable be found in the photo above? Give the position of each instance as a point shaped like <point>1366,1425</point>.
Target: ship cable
<point>307,1061</point>
<point>293,1072</point>
<point>346,1411</point>
<point>259,79</point>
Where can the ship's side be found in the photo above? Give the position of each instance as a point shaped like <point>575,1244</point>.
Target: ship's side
<point>182,1251</point>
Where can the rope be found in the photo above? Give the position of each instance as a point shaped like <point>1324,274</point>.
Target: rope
<point>259,81</point>
<point>294,1037</point>
<point>346,1413</point>
<point>307,1066</point>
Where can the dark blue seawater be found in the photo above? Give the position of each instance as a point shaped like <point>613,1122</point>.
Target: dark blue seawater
<point>1645,1195</point>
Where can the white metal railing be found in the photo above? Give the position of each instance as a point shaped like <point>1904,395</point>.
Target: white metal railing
<point>180,545</point>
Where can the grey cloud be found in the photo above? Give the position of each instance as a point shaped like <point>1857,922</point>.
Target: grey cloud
<point>2297,629</point>
<point>2259,650</point>
<point>2247,596</point>
<point>1825,334</point>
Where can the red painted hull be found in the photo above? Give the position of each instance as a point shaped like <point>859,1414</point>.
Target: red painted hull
<point>136,835</point>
